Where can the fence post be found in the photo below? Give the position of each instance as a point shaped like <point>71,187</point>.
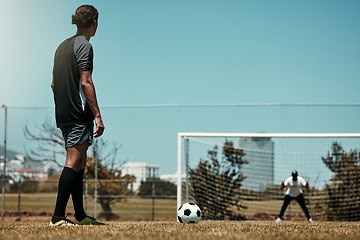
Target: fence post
<point>19,196</point>
<point>95,190</point>
<point>4,167</point>
<point>153,195</point>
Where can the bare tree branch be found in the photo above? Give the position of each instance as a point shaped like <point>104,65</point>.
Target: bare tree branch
<point>42,158</point>
<point>50,141</point>
<point>56,138</point>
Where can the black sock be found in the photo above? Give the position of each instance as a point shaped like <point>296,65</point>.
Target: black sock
<point>65,187</point>
<point>77,196</point>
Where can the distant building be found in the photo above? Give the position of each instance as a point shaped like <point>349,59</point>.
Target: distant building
<point>173,178</point>
<point>13,162</point>
<point>31,173</point>
<point>141,171</point>
<point>18,166</point>
<point>50,169</point>
<point>259,172</point>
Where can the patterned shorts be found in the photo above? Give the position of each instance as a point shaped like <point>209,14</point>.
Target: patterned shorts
<point>78,133</point>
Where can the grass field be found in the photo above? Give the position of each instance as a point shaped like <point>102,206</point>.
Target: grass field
<point>133,209</point>
<point>134,223</point>
<point>205,230</point>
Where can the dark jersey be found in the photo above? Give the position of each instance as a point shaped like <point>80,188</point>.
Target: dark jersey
<point>73,55</point>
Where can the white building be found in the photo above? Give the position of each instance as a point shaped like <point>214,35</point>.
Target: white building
<point>16,168</point>
<point>173,178</point>
<point>141,171</point>
<point>14,161</point>
<point>259,172</point>
<point>31,173</point>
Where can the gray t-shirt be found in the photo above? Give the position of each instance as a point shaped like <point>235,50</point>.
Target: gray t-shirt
<point>73,55</point>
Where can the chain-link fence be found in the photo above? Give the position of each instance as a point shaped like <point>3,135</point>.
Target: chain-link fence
<point>31,198</point>
<point>145,134</point>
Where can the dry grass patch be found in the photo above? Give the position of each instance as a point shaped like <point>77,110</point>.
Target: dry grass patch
<point>205,230</point>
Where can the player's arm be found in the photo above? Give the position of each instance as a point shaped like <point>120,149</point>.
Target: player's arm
<point>282,185</point>
<point>304,183</point>
<point>90,95</point>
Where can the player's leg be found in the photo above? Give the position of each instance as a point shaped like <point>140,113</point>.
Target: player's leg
<point>68,179</point>
<point>76,147</point>
<point>77,191</point>
<point>75,156</point>
<point>77,196</point>
<point>301,200</point>
<point>287,200</point>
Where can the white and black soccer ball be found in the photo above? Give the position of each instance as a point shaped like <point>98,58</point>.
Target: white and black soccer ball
<point>189,213</point>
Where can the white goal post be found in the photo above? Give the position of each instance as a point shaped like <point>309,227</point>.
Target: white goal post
<point>198,135</point>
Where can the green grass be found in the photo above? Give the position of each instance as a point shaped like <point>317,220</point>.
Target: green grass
<point>133,208</point>
<point>31,202</point>
<point>129,209</point>
<point>205,230</point>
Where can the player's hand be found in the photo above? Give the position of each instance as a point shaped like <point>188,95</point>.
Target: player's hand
<point>99,127</point>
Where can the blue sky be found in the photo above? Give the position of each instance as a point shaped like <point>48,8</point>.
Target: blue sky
<point>155,52</point>
<point>190,52</point>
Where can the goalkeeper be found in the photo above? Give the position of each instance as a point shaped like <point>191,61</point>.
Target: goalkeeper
<point>294,191</point>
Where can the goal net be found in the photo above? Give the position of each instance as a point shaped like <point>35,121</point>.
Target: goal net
<point>238,175</point>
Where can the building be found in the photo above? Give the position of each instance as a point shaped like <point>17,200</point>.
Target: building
<point>173,178</point>
<point>13,161</point>
<point>259,172</point>
<point>141,171</point>
<point>18,166</point>
<point>31,173</point>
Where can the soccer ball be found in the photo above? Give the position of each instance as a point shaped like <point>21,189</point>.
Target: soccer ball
<point>189,213</point>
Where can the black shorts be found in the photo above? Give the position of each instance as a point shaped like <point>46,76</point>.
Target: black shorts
<point>78,133</point>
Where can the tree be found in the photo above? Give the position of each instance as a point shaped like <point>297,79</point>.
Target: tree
<point>343,193</point>
<point>216,185</point>
<point>112,187</point>
<point>50,143</point>
<point>162,188</point>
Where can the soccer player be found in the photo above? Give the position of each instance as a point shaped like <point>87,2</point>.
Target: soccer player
<point>294,191</point>
<point>76,108</point>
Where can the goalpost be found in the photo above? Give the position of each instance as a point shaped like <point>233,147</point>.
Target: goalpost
<point>238,175</point>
